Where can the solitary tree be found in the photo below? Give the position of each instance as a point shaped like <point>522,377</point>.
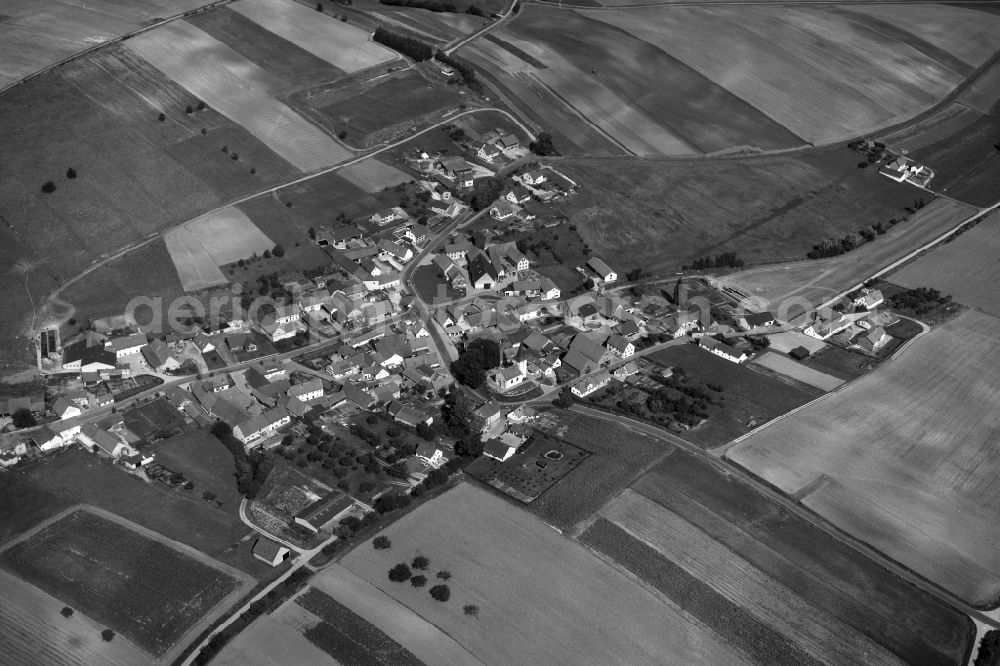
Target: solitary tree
<point>49,187</point>
<point>162,117</point>
<point>471,609</point>
<point>420,563</point>
<point>319,6</point>
<point>441,592</point>
<point>381,542</point>
<point>107,634</point>
<point>23,418</point>
<point>189,109</point>
<point>201,105</point>
<point>444,574</point>
<point>67,611</point>
<point>418,581</point>
<point>71,173</point>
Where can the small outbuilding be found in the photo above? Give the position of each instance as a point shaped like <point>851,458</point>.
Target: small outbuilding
<point>268,551</point>
<point>799,353</point>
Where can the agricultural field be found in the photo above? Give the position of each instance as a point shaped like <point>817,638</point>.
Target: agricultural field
<point>730,68</point>
<point>783,365</point>
<point>965,267</point>
<point>530,582</point>
<point>342,45</point>
<point>372,175</point>
<point>749,396</point>
<point>617,456</point>
<point>805,564</point>
<point>235,86</point>
<point>210,241</point>
<point>767,209</point>
<point>33,631</point>
<point>785,288</point>
<point>441,27</point>
<point>274,639</point>
<point>38,491</point>
<point>913,477</point>
<point>35,35</point>
<point>713,583</point>
<point>147,588</point>
<point>363,110</point>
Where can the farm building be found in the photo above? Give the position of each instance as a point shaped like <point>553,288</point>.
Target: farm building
<point>591,384</point>
<point>620,346</point>
<point>756,320</point>
<point>482,274</point>
<point>869,298</point>
<point>126,345</point>
<point>799,353</point>
<point>722,349</point>
<point>258,426</point>
<point>602,270</point>
<point>78,356</point>
<point>324,511</point>
<point>158,356</point>
<point>268,551</point>
<point>498,450</point>
<point>64,409</point>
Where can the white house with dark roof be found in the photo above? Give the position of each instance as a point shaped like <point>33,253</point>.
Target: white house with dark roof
<point>869,298</point>
<point>306,391</point>
<point>127,345</point>
<point>270,552</point>
<point>586,386</point>
<point>488,152</point>
<point>620,346</point>
<point>722,350</point>
<point>265,424</point>
<point>534,177</point>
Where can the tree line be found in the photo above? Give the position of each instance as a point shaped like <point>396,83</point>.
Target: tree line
<point>408,46</point>
<point>724,260</point>
<point>251,469</point>
<point>832,247</point>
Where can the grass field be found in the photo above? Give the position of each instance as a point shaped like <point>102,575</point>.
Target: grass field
<point>146,588</point>
<point>912,478</point>
<point>235,86</point>
<point>203,460</point>
<point>797,371</point>
<point>364,109</point>
<point>749,395</point>
<point>823,572</point>
<point>723,590</point>
<point>372,175</point>
<point>779,286</point>
<point>215,239</point>
<point>151,418</point>
<point>34,632</point>
<point>35,36</point>
<point>617,456</point>
<point>341,44</point>
<point>530,582</point>
<point>274,639</point>
<point>966,267</point>
<point>763,209</point>
<point>39,491</point>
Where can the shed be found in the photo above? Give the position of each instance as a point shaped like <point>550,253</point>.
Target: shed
<point>799,353</point>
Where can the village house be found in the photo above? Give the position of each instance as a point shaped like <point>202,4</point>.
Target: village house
<point>534,177</point>
<point>822,327</point>
<point>431,454</point>
<point>756,320</point>
<point>722,349</point>
<point>602,270</point>
<point>64,409</point>
<point>873,339</point>
<point>518,195</point>
<point>504,379</point>
<point>265,424</point>
<point>159,357</point>
<point>502,210</point>
<point>78,356</point>
<point>125,346</point>
<point>457,169</point>
<point>482,274</point>
<point>620,346</point>
<point>498,450</point>
<point>306,391</point>
<point>486,415</point>
<point>623,372</point>
<point>313,301</point>
<point>388,216</point>
<point>549,290</point>
<point>507,142</point>
<point>869,298</point>
<point>488,152</point>
<point>588,385</point>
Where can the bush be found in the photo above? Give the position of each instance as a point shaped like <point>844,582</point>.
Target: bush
<point>381,542</point>
<point>441,592</point>
<point>161,117</point>
<point>471,609</point>
<point>66,611</point>
<point>399,573</point>
<point>107,635</point>
<point>420,563</point>
<point>444,574</point>
<point>71,173</point>
<point>542,145</point>
<point>418,581</point>
<point>48,187</point>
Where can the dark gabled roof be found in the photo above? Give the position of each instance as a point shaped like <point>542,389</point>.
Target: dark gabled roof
<point>267,549</point>
<point>759,319</point>
<point>586,346</point>
<point>79,351</point>
<point>479,267</point>
<point>324,509</point>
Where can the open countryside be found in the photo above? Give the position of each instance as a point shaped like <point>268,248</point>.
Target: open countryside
<point>499,332</point>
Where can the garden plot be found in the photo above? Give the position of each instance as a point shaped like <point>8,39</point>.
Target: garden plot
<point>906,456</point>
<point>239,89</point>
<point>341,44</point>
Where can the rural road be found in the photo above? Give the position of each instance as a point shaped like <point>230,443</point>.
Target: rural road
<point>739,474</point>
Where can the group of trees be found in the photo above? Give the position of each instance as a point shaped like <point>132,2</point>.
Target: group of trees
<point>919,301</point>
<point>831,247</point>
<point>484,192</point>
<point>724,260</point>
<point>429,5</point>
<point>474,360</point>
<point>989,649</point>
<point>403,572</point>
<point>251,469</point>
<point>543,145</point>
<point>409,46</point>
<point>48,187</point>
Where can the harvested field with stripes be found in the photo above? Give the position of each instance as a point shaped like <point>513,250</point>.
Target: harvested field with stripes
<point>341,44</point>
<point>741,78</point>
<point>34,35</point>
<point>239,89</point>
<point>533,584</point>
<point>966,268</point>
<point>820,570</point>
<point>915,477</point>
<point>760,613</point>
